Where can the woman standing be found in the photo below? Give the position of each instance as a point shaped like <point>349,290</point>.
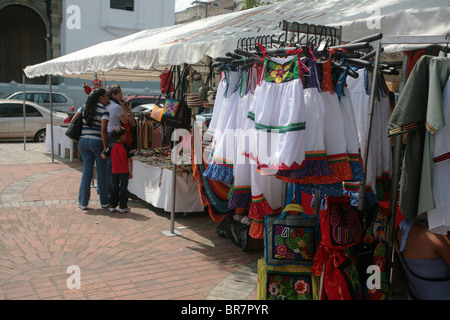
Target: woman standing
<point>119,115</point>
<point>93,141</point>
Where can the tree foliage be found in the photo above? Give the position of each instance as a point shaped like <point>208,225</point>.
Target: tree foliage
<point>248,4</point>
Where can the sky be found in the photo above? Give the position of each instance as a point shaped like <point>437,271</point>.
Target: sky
<point>180,5</point>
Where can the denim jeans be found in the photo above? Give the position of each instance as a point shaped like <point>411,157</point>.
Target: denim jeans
<point>111,140</point>
<point>119,192</point>
<point>90,150</point>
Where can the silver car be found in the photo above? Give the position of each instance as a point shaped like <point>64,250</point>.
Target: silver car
<point>37,118</point>
<point>60,101</point>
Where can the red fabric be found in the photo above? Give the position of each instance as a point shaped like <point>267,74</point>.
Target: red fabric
<point>398,215</point>
<point>165,82</point>
<point>119,158</point>
<point>87,90</point>
<point>129,140</point>
<point>413,57</point>
<point>344,222</point>
<point>327,261</point>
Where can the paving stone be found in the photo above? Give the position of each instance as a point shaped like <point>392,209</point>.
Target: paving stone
<point>120,256</point>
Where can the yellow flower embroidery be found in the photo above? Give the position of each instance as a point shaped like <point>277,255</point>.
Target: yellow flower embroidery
<point>280,73</point>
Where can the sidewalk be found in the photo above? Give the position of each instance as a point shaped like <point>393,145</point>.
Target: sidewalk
<point>120,256</point>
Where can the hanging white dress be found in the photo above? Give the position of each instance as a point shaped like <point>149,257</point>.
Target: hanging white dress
<point>220,167</point>
<point>240,195</point>
<point>280,116</point>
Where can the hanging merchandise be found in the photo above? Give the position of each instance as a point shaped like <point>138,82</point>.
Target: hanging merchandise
<point>240,193</point>
<point>148,134</point>
<point>419,112</point>
<point>175,113</point>
<point>341,223</point>
<point>290,117</point>
<point>166,81</point>
<point>291,239</point>
<point>157,112</point>
<point>221,158</point>
<point>379,162</point>
<point>195,82</point>
<point>373,250</point>
<point>171,107</point>
<point>214,194</point>
<point>340,275</point>
<point>439,218</point>
<point>286,283</point>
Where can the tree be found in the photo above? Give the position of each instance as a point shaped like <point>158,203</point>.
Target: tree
<point>248,4</point>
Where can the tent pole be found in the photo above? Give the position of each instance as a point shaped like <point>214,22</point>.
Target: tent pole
<point>24,115</point>
<point>362,190</point>
<point>51,118</point>
<point>172,231</point>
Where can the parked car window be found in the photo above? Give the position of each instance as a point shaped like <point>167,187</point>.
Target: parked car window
<point>16,111</point>
<point>32,111</point>
<point>41,98</point>
<point>3,111</point>
<point>57,98</point>
<point>19,96</point>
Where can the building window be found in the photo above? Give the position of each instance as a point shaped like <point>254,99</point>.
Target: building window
<point>127,5</point>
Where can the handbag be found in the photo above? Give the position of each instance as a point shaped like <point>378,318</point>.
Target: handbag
<point>157,111</point>
<point>171,107</point>
<point>75,129</point>
<point>286,283</point>
<point>166,81</point>
<point>291,239</point>
<point>177,113</point>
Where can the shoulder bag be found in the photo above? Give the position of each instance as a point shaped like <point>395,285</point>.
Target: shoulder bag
<point>75,129</point>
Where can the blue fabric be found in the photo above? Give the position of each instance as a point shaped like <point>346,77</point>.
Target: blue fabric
<point>219,173</point>
<point>90,150</point>
<point>111,141</point>
<point>432,268</point>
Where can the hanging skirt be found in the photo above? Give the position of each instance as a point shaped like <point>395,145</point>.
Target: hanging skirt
<point>240,195</point>
<point>220,167</point>
<point>316,168</point>
<point>220,97</point>
<point>266,200</point>
<point>351,136</point>
<point>280,120</point>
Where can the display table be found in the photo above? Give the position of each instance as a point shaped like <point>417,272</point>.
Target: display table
<point>60,140</point>
<point>154,185</point>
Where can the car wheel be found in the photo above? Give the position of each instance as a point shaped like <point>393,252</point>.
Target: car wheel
<point>40,136</point>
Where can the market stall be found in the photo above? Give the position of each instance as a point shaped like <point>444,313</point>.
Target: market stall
<point>357,221</point>
<point>152,181</point>
<point>61,142</point>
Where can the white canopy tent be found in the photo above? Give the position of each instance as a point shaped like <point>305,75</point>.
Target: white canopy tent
<point>135,57</point>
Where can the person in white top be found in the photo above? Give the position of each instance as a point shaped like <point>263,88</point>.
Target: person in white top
<point>119,115</point>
